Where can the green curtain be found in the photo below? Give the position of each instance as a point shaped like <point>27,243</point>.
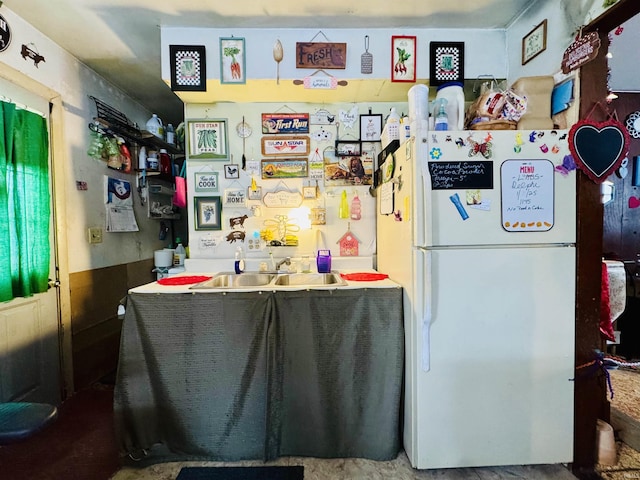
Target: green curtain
<point>24,203</point>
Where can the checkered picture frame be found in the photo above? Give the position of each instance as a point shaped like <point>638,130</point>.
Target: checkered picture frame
<point>446,62</point>
<point>188,68</point>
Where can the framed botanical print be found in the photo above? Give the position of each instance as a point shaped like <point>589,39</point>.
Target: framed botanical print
<point>208,212</point>
<point>232,60</point>
<point>534,42</point>
<point>207,139</point>
<point>188,68</point>
<point>370,127</point>
<point>446,62</point>
<point>403,58</point>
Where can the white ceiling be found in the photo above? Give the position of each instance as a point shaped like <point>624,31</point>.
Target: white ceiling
<point>120,39</point>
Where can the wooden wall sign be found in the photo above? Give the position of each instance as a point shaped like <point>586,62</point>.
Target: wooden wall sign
<point>321,55</point>
<point>285,145</point>
<point>582,51</point>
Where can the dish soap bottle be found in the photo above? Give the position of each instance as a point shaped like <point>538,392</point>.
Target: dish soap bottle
<point>343,212</point>
<point>442,121</point>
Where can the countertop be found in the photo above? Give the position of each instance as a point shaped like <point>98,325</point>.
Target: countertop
<point>155,287</point>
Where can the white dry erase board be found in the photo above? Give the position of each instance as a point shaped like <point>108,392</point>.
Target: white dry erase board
<point>527,195</point>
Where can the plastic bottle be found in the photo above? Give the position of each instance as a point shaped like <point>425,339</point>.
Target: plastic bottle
<point>238,265</point>
<point>356,211</point>
<point>343,212</point>
<point>171,135</point>
<point>180,254</point>
<point>154,126</point>
<point>165,162</point>
<point>453,93</point>
<point>441,121</point>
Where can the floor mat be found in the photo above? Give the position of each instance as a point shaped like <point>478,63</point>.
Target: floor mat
<point>241,473</point>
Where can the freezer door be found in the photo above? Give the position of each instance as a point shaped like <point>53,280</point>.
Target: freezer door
<point>499,390</point>
<point>499,187</point>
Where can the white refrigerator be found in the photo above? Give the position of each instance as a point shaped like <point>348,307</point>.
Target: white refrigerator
<point>479,229</point>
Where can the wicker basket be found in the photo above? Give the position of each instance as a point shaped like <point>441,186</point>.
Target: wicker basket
<point>495,125</point>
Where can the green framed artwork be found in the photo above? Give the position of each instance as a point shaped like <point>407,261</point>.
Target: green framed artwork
<point>207,139</point>
<point>232,60</point>
<point>208,213</point>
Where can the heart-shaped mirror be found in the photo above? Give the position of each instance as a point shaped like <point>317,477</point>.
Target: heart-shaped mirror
<point>598,148</point>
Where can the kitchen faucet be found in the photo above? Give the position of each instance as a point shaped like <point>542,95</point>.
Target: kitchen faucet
<point>286,260</point>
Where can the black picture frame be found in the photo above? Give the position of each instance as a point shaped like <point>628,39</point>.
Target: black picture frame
<point>446,62</point>
<point>348,148</point>
<point>188,68</point>
<point>371,127</point>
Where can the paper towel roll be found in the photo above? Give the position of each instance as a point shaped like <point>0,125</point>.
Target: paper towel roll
<point>617,287</point>
<point>418,98</point>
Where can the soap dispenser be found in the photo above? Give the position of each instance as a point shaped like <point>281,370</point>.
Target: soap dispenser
<point>239,261</point>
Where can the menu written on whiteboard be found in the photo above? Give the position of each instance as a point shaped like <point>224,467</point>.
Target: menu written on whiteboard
<point>527,195</point>
<point>461,175</point>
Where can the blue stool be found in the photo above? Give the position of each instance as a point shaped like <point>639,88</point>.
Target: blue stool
<point>19,420</point>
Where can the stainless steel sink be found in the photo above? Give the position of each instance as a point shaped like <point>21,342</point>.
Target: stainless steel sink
<point>236,280</point>
<point>310,279</point>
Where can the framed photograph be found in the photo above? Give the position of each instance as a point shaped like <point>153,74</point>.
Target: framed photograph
<point>188,68</point>
<point>403,58</point>
<point>207,139</point>
<point>254,194</point>
<point>208,212</point>
<point>446,62</point>
<point>534,42</point>
<point>231,171</point>
<point>370,127</point>
<point>347,148</point>
<point>232,60</point>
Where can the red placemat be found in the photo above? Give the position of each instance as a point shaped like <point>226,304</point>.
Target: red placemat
<point>186,280</point>
<point>364,276</point>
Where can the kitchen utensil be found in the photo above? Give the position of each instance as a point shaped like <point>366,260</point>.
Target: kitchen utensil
<point>278,54</point>
<point>366,59</point>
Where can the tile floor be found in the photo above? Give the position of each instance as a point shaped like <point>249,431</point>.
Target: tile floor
<point>626,386</point>
<point>361,469</point>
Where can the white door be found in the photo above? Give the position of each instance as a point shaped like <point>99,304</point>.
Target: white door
<point>29,327</point>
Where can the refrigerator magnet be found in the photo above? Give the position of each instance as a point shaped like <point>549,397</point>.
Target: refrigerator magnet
<point>455,198</point>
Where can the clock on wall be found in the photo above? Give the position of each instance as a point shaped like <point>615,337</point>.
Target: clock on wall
<point>243,129</point>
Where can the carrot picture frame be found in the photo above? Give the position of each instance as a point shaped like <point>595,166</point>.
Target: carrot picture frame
<point>232,60</point>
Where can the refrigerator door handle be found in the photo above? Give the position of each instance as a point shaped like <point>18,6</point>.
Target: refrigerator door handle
<point>427,309</point>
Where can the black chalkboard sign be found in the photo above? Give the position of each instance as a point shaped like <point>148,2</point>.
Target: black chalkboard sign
<point>461,175</point>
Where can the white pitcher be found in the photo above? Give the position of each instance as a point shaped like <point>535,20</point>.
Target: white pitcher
<point>454,95</point>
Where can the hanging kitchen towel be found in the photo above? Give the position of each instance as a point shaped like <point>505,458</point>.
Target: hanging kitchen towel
<point>606,327</point>
<point>180,195</point>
